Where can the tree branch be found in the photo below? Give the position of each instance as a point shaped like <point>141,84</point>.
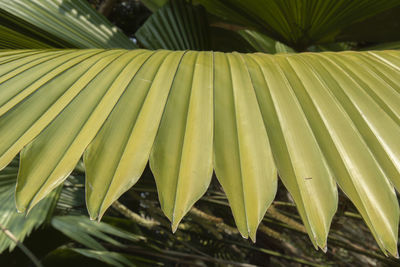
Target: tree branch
<point>148,223</point>
<point>24,249</point>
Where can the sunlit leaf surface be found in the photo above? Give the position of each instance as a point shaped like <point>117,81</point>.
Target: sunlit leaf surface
<point>317,120</point>
<point>57,23</point>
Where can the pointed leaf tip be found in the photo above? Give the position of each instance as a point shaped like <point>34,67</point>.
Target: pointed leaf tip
<point>394,252</point>
<point>176,220</point>
<point>253,236</point>
<point>245,235</point>
<point>19,210</point>
<point>174,227</point>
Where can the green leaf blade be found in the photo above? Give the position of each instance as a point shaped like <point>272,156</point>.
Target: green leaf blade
<point>182,153</point>
<point>354,166</point>
<point>242,157</point>
<point>139,131</point>
<point>299,160</point>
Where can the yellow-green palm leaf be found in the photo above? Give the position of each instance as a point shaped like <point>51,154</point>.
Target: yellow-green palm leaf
<point>315,119</point>
<point>57,23</point>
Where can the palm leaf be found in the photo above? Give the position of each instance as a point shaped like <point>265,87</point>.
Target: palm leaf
<point>385,46</point>
<point>297,23</point>
<point>154,5</point>
<point>66,23</point>
<point>65,199</point>
<point>111,258</point>
<point>20,225</point>
<point>11,39</point>
<point>176,26</point>
<point>179,25</point>
<point>262,43</point>
<point>72,197</point>
<point>316,118</point>
<point>86,232</point>
<point>381,28</point>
